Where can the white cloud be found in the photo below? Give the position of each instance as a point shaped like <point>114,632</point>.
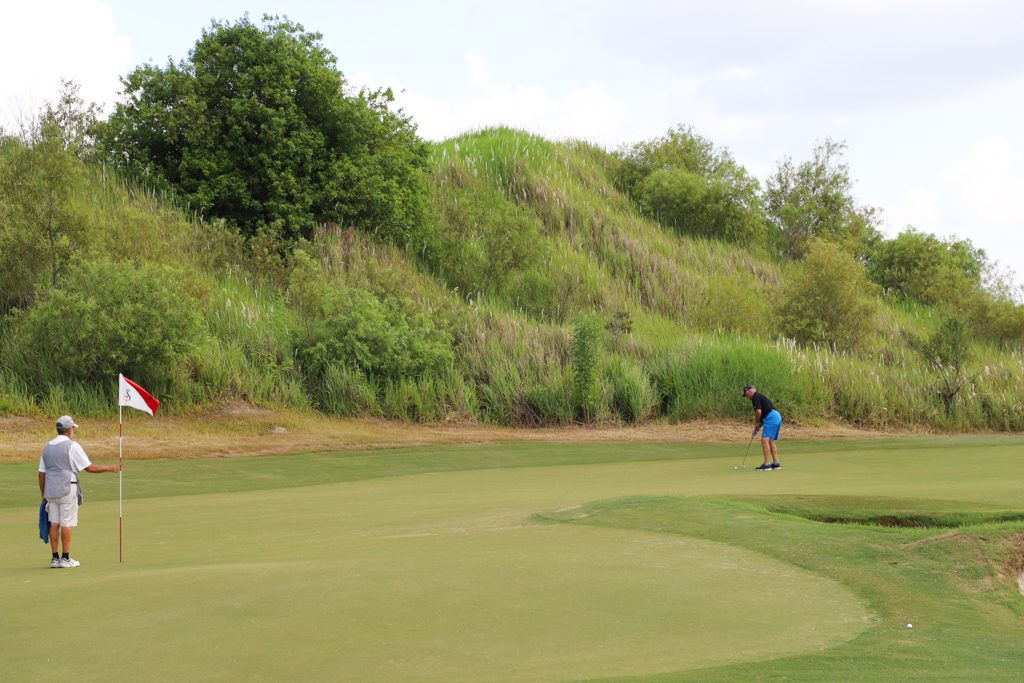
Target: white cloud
<point>43,43</point>
<point>975,196</point>
<point>981,193</point>
<point>588,112</point>
<point>985,186</point>
<point>917,207</point>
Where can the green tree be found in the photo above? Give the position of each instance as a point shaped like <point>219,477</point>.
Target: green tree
<point>684,182</point>
<point>925,268</point>
<point>946,351</point>
<point>256,127</point>
<point>830,300</point>
<point>39,227</point>
<point>75,119</point>
<point>814,199</point>
<point>995,314</point>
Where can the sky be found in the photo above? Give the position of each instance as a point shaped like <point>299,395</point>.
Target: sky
<point>928,95</point>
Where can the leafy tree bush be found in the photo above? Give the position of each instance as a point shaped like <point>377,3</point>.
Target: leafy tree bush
<point>39,227</point>
<point>256,127</point>
<point>946,352</point>
<point>345,326</point>
<point>813,199</point>
<point>384,339</point>
<point>74,119</point>
<point>993,315</point>
<point>104,318</point>
<point>830,300</point>
<point>685,183</point>
<point>925,268</point>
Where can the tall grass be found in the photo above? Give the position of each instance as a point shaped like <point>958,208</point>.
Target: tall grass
<point>15,396</point>
<point>595,250</point>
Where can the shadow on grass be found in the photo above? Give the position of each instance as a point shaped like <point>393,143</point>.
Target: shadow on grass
<point>889,512</point>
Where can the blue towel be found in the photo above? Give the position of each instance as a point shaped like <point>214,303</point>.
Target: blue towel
<point>44,523</point>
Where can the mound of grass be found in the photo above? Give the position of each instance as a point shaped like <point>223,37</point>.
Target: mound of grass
<point>525,235</point>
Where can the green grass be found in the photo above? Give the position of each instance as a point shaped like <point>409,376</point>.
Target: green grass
<point>531,562</point>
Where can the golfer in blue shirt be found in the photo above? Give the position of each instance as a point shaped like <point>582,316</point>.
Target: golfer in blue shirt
<point>768,421</point>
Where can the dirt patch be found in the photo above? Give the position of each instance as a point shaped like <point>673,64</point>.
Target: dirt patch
<point>242,408</point>
<point>239,430</point>
<point>11,423</point>
<point>1014,565</point>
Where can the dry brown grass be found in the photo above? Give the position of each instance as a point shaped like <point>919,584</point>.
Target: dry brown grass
<point>241,430</point>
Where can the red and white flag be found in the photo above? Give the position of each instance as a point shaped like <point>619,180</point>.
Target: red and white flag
<point>132,395</point>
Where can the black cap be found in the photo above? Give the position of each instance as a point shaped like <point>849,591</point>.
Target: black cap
<point>746,389</point>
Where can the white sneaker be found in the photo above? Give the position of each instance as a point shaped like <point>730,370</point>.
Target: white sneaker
<point>55,563</point>
<point>69,563</point>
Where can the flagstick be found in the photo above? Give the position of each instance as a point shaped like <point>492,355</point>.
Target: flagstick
<point>121,466</point>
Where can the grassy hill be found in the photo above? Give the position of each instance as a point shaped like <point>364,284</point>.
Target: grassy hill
<point>539,296</point>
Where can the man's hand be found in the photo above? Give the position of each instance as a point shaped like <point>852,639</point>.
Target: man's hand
<point>95,469</point>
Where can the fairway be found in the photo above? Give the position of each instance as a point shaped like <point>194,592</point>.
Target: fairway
<point>508,562</point>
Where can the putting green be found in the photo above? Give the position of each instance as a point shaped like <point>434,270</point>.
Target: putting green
<point>438,576</point>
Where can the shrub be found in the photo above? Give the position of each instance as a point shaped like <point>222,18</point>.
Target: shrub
<point>41,228</point>
<point>925,268</point>
<point>685,183</point>
<point>946,351</point>
<point>346,326</point>
<point>105,318</point>
<point>830,300</point>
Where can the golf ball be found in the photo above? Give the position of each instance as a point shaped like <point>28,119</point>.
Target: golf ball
<point>910,626</point>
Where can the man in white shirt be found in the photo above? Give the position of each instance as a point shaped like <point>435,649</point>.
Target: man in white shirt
<point>59,467</point>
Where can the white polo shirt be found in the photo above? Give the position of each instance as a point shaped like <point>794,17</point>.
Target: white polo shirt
<point>79,460</point>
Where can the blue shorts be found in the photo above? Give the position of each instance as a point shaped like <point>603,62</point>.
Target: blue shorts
<point>770,425</point>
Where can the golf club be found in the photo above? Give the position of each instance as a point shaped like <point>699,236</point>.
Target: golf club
<point>743,465</point>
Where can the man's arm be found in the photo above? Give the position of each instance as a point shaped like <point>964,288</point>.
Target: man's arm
<point>42,484</point>
<point>95,469</point>
<point>757,420</point>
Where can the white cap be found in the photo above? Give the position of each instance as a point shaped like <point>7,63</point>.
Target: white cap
<point>64,423</point>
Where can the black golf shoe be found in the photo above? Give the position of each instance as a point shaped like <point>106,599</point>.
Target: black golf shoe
<point>763,468</point>
<point>776,465</point>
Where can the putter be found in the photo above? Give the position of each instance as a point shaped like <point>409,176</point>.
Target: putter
<point>743,465</point>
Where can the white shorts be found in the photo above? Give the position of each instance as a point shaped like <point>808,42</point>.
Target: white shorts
<point>64,511</point>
